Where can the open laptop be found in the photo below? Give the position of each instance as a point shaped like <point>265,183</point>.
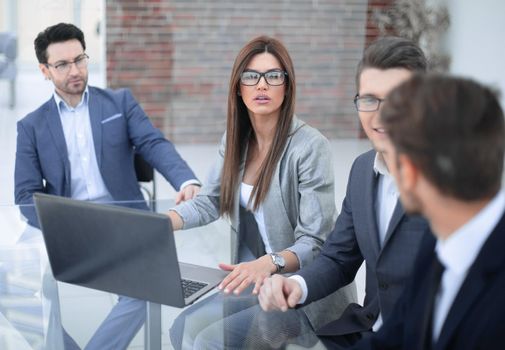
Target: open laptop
<point>120,250</point>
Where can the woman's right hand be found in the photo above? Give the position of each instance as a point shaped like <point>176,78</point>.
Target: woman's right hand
<point>244,274</point>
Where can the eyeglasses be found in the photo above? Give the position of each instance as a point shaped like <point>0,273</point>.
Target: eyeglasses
<point>64,66</point>
<point>367,103</point>
<point>273,77</point>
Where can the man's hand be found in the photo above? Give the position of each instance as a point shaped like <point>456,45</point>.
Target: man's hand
<point>279,293</point>
<point>188,192</point>
<point>242,275</point>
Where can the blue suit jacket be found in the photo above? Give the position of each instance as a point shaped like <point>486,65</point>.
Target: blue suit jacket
<point>119,127</point>
<point>356,238</point>
<point>476,319</point>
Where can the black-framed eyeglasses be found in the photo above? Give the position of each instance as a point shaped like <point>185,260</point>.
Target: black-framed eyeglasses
<point>367,103</point>
<point>273,77</point>
<point>64,66</point>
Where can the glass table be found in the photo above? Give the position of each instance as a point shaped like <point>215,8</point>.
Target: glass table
<point>30,311</point>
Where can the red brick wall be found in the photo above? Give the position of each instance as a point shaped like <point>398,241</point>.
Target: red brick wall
<point>177,55</point>
<point>139,53</point>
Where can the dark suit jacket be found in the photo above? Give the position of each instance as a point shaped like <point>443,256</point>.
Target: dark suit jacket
<point>476,319</point>
<point>355,238</point>
<point>119,127</point>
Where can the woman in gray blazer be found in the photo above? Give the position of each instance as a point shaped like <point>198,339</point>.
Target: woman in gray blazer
<point>274,181</point>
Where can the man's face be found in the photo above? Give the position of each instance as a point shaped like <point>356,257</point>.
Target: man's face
<point>378,83</point>
<point>72,81</point>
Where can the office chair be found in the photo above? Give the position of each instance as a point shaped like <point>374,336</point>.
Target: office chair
<point>8,71</point>
<point>145,174</point>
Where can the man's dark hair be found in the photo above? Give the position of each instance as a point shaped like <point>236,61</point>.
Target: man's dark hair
<point>55,34</point>
<point>392,52</point>
<point>452,129</point>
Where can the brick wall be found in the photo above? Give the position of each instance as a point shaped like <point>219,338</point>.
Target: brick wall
<point>139,51</point>
<point>177,55</point>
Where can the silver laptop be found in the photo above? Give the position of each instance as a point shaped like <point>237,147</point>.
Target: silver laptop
<point>120,250</point>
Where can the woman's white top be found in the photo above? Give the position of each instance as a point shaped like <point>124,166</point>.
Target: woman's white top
<point>245,195</point>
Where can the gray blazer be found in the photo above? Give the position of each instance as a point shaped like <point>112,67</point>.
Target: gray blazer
<point>299,209</point>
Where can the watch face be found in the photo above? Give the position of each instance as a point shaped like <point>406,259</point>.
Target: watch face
<point>279,261</point>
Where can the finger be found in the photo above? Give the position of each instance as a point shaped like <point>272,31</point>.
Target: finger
<point>243,285</point>
<point>179,197</point>
<point>294,295</point>
<point>196,190</point>
<point>258,284</point>
<point>227,267</point>
<point>278,293</point>
<point>265,297</point>
<point>234,273</point>
<point>234,283</point>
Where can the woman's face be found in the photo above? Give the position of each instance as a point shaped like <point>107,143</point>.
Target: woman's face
<point>263,99</point>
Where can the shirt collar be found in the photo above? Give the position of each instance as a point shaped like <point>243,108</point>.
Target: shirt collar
<point>379,166</point>
<point>459,251</point>
<point>60,102</point>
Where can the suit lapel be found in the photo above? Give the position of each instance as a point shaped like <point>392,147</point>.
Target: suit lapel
<point>95,116</point>
<point>488,262</point>
<point>398,214</point>
<point>56,130</point>
<point>370,200</point>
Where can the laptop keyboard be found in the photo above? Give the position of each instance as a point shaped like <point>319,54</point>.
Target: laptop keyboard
<point>191,287</point>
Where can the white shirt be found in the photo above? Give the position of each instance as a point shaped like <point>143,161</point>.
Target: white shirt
<point>387,197</point>
<point>245,195</point>
<point>458,252</point>
<point>86,182</point>
<point>385,203</point>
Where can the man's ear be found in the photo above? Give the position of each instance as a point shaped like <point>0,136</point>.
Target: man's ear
<point>45,71</point>
<point>408,172</point>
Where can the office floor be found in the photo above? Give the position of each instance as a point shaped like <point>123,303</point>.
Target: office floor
<point>83,309</point>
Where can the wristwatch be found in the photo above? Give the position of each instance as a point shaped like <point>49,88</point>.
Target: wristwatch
<point>278,261</point>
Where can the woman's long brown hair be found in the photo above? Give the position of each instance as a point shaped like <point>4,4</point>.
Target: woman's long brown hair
<point>239,129</point>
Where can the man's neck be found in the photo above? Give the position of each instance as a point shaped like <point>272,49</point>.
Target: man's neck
<point>70,99</point>
<point>447,215</point>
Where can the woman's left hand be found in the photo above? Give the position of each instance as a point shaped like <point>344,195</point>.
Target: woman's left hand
<point>243,274</point>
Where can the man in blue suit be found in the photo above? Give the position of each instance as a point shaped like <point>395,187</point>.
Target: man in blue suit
<point>80,144</point>
<point>447,147</point>
<point>372,225</point>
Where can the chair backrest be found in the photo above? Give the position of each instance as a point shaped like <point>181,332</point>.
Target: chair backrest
<point>144,171</point>
<point>8,54</point>
<point>8,45</point>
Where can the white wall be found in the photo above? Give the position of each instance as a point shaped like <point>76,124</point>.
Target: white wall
<point>475,41</point>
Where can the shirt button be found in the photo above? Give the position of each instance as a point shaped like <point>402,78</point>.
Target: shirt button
<point>383,286</point>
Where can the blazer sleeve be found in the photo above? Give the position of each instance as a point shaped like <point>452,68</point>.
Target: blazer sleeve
<point>204,208</point>
<point>316,213</point>
<point>153,146</point>
<point>27,173</point>
<point>340,256</point>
